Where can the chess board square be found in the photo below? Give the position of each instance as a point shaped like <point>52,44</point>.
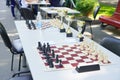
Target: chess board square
<point>88,60</point>
<point>68,66</point>
<point>60,56</point>
<point>67,56</point>
<point>81,54</point>
<point>72,61</point>
<point>65,53</point>
<point>73,47</point>
<point>63,59</point>
<point>77,51</point>
<point>65,62</point>
<point>61,48</point>
<point>59,53</point>
<point>58,67</point>
<point>69,50</point>
<point>74,64</point>
<point>74,55</point>
<point>70,58</point>
<point>56,51</point>
<point>77,57</point>
<point>80,60</point>
<point>52,47</point>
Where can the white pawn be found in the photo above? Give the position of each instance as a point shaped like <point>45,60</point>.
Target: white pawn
<point>100,58</point>
<point>105,61</point>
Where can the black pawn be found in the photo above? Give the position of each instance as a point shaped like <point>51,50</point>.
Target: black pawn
<point>44,48</point>
<point>39,46</point>
<point>48,48</point>
<point>53,54</point>
<point>57,60</point>
<point>60,64</point>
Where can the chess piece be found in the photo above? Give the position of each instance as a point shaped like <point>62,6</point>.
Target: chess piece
<point>44,48</point>
<point>53,54</point>
<point>105,60</point>
<point>51,65</point>
<point>57,60</point>
<point>39,46</point>
<point>60,64</point>
<point>48,48</point>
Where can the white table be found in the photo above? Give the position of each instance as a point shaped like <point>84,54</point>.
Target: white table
<point>30,40</point>
<point>54,10</point>
<point>38,3</point>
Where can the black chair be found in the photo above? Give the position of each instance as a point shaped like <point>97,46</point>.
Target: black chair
<point>27,13</point>
<point>15,46</point>
<point>22,76</point>
<point>89,21</point>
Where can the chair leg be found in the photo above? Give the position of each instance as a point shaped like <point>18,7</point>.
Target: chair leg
<point>12,62</point>
<point>19,67</point>
<point>91,31</point>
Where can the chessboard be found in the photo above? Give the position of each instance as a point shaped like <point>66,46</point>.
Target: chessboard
<point>61,57</point>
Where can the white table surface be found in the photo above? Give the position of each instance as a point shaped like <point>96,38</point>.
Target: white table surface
<point>38,3</point>
<point>53,10</point>
<point>30,40</point>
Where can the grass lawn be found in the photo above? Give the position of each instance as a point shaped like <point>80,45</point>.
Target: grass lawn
<point>106,9</point>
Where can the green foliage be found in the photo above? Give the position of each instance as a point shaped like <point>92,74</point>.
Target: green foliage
<point>106,9</point>
<point>86,6</point>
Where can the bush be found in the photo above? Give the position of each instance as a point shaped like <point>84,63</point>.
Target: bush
<point>86,6</point>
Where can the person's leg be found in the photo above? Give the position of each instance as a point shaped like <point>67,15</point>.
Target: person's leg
<point>7,2</point>
<point>112,44</point>
<point>35,9</point>
<point>12,8</point>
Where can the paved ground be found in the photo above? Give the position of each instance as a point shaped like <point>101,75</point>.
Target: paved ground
<point>8,21</point>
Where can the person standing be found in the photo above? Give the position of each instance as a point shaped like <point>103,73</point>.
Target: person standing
<point>54,3</point>
<point>8,3</point>
<point>12,8</point>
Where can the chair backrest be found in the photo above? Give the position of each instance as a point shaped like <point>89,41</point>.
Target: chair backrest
<point>5,37</point>
<point>118,7</point>
<point>97,8</point>
<point>83,28</point>
<point>27,13</point>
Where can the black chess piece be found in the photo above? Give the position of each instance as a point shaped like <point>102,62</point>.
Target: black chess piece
<point>39,46</point>
<point>51,65</point>
<point>57,60</point>
<point>53,54</point>
<point>44,48</point>
<point>81,39</point>
<point>48,48</point>
<point>60,64</point>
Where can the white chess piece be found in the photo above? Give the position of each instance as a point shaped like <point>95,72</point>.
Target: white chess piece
<point>105,59</point>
